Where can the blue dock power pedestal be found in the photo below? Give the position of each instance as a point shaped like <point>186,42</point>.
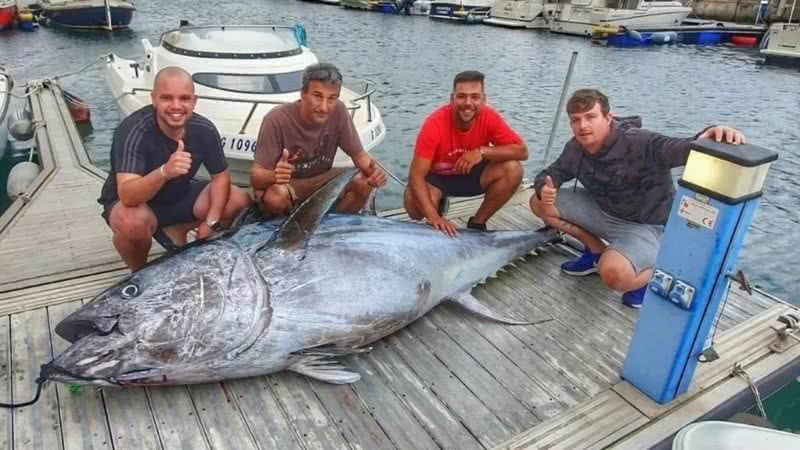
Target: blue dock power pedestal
<point>713,207</point>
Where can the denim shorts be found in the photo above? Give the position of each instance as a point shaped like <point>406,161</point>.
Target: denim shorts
<point>638,242</point>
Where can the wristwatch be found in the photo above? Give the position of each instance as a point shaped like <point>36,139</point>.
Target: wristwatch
<point>214,224</point>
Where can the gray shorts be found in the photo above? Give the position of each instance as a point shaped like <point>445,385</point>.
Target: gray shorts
<point>638,242</point>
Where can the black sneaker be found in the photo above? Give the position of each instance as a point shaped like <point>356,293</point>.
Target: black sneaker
<point>472,225</point>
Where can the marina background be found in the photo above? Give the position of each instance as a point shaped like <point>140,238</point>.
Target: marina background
<point>678,90</point>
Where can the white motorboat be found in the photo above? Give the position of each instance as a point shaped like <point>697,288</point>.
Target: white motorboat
<point>87,14</point>
<point>719,435</point>
<point>467,11</point>
<point>240,73</point>
<point>781,44</point>
<point>578,17</point>
<point>530,14</point>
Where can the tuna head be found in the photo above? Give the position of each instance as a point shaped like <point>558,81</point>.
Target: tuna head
<point>181,319</point>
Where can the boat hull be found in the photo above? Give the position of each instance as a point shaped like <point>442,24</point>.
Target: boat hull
<point>459,12</point>
<point>782,45</point>
<point>91,17</point>
<point>579,20</point>
<point>529,14</point>
<point>7,14</point>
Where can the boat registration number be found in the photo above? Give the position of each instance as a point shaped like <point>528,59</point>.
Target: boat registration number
<point>234,143</point>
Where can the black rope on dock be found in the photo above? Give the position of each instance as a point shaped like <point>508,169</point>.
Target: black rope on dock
<point>39,382</point>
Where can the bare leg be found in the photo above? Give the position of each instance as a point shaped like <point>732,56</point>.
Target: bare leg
<point>500,180</point>
<point>551,216</point>
<point>355,195</point>
<point>618,273</point>
<point>276,200</point>
<point>411,206</point>
<point>177,233</point>
<point>133,229</point>
<point>237,201</point>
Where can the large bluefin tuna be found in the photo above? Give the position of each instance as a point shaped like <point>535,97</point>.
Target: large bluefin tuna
<point>264,298</point>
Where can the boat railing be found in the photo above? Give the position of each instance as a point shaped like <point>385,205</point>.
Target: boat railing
<point>366,96</point>
<point>353,104</point>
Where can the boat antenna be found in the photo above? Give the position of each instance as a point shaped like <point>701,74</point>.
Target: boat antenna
<point>560,107</point>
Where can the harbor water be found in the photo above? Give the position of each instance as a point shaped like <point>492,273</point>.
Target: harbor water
<point>678,90</point>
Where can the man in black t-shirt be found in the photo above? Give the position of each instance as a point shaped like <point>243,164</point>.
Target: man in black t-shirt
<point>155,154</point>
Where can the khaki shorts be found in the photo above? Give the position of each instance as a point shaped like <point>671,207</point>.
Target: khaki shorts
<point>302,188</point>
<point>638,242</point>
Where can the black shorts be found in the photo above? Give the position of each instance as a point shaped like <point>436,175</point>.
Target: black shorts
<point>169,214</point>
<point>460,185</point>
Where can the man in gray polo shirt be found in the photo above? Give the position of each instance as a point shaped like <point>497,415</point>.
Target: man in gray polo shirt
<point>297,144</point>
<point>626,196</point>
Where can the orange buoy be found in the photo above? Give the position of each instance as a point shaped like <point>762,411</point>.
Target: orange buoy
<point>744,40</point>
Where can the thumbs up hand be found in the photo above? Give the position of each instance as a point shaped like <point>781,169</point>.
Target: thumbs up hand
<point>283,169</point>
<point>179,163</point>
<point>549,191</point>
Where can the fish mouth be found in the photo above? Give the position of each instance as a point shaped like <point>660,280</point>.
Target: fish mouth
<point>59,374</point>
<point>137,377</point>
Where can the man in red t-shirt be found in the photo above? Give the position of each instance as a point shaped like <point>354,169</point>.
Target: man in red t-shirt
<point>465,148</point>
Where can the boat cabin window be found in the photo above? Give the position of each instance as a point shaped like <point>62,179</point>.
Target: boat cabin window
<point>233,42</point>
<point>272,83</point>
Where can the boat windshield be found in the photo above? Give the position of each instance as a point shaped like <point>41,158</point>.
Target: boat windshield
<point>233,42</point>
<point>272,83</point>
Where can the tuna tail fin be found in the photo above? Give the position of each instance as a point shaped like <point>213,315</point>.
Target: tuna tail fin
<point>302,222</point>
<point>470,303</point>
<point>321,368</point>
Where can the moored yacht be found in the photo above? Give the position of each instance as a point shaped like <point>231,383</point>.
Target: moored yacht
<point>579,16</point>
<point>87,14</point>
<point>531,14</point>
<point>408,7</point>
<point>467,11</point>
<point>240,73</point>
<point>781,44</point>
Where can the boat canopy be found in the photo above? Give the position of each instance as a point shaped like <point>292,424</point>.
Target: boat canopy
<point>233,41</point>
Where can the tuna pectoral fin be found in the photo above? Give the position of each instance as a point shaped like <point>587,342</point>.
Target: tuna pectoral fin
<point>325,370</point>
<point>471,303</point>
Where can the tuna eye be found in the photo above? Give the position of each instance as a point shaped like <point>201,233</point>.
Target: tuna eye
<point>130,291</point>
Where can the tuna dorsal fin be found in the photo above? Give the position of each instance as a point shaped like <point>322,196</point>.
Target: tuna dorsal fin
<point>472,304</point>
<point>302,222</point>
<point>324,369</point>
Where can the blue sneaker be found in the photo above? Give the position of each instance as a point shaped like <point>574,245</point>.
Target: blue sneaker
<point>635,298</point>
<point>584,265</point>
